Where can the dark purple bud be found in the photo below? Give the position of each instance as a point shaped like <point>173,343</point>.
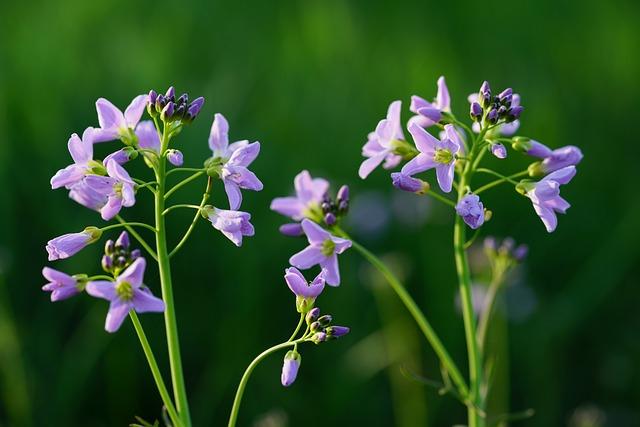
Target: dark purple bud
<point>109,247</point>
<point>123,241</point>
<point>195,106</point>
<point>521,252</point>
<point>502,110</point>
<point>121,261</point>
<point>293,229</point>
<point>330,218</point>
<point>152,96</point>
<point>161,101</point>
<point>167,111</point>
<point>492,117</point>
<point>319,337</point>
<point>325,320</point>
<point>408,183</point>
<point>312,315</point>
<point>485,94</point>
<point>507,245</point>
<point>343,206</point>
<point>175,157</point>
<point>343,194</point>
<point>135,254</point>
<point>315,326</point>
<point>171,94</point>
<point>179,113</point>
<point>514,112</point>
<point>337,331</point>
<point>325,206</point>
<point>506,95</point>
<point>107,263</point>
<point>475,111</point>
<point>184,99</point>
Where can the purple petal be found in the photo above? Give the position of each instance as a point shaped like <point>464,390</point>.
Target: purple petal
<point>498,150</point>
<point>63,293</point>
<point>134,274</point>
<point>245,155</point>
<point>420,163</point>
<point>109,116</point>
<point>332,275</point>
<point>453,136</point>
<point>296,281</point>
<point>148,135</point>
<point>118,310</point>
<point>442,99</point>
<point>134,111</point>
<point>242,176</point>
<point>118,172</point>
<point>558,204</point>
<point>394,125</point>
<point>562,176</point>
<point>539,150</point>
<point>102,135</point>
<point>547,216</point>
<point>102,289</point>
<point>288,206</point>
<point>145,302</point>
<point>219,135</point>
<point>315,233</point>
<point>431,113</point>
<point>81,150</point>
<point>111,208</point>
<point>87,196</point>
<point>444,173</point>
<point>289,372</point>
<point>307,258</point>
<point>175,157</point>
<point>310,189</point>
<point>341,244</point>
<point>371,163</point>
<point>68,176</point>
<point>56,276</point>
<point>233,193</point>
<point>425,142</point>
<point>417,103</point>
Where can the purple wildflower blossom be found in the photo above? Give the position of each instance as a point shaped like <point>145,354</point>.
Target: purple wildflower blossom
<point>235,159</point>
<point>92,196</point>
<point>81,151</point>
<point>233,224</point>
<point>471,210</point>
<point>498,150</point>
<point>554,160</point>
<point>506,129</point>
<point>175,157</point>
<point>290,368</point>
<point>338,331</point>
<point>70,244</point>
<point>428,114</point>
<point>125,294</point>
<point>408,183</point>
<point>434,154</point>
<point>380,144</point>
<point>299,285</point>
<point>61,285</point>
<point>306,204</point>
<point>292,229</point>
<point>323,249</point>
<point>114,123</point>
<point>118,187</point>
<point>545,196</point>
<point>148,136</point>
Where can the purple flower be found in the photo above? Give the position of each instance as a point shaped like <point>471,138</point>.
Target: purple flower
<point>306,204</point>
<point>70,244</point>
<point>293,229</point>
<point>175,157</point>
<point>434,154</point>
<point>290,367</point>
<point>410,184</point>
<point>428,114</point>
<point>82,154</point>
<point>148,136</point>
<point>545,196</point>
<point>233,224</point>
<point>498,150</point>
<point>121,156</point>
<point>233,160</point>
<point>380,143</point>
<point>569,155</point>
<point>114,123</point>
<point>323,249</point>
<point>337,331</point>
<point>299,286</point>
<point>118,188</point>
<point>61,285</point>
<point>506,129</point>
<point>125,294</point>
<point>471,210</point>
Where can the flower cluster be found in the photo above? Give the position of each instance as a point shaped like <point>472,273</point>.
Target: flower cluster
<point>495,119</point>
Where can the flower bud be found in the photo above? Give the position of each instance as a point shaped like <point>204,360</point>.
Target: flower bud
<point>293,229</point>
<point>337,331</point>
<point>175,157</point>
<point>343,206</point>
<point>161,101</point>
<point>312,315</point>
<point>123,241</point>
<point>485,94</point>
<point>330,218</point>
<point>135,254</point>
<point>107,263</point>
<point>506,95</point>
<point>492,117</point>
<point>475,111</point>
<point>343,194</point>
<point>325,320</point>
<point>183,99</point>
<point>319,337</point>
<point>167,112</point>
<point>521,252</point>
<point>290,367</point>
<point>120,262</point>
<point>536,169</point>
<point>498,150</point>
<point>315,326</point>
<point>514,113</point>
<point>194,107</point>
<point>408,183</point>
<point>171,94</point>
<point>151,104</point>
<point>109,247</point>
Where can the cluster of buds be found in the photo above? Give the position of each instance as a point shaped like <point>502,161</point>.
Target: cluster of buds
<point>495,108</point>
<point>118,255</point>
<point>332,210</point>
<point>171,109</point>
<point>321,327</point>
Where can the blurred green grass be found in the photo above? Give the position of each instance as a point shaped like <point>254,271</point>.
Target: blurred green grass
<point>309,79</point>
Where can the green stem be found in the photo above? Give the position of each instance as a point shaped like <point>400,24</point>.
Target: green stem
<point>183,182</point>
<point>174,170</point>
<point>164,266</point>
<point>128,224</point>
<point>139,238</point>
<point>503,179</point>
<point>441,198</point>
<point>157,376</point>
<point>293,335</point>
<point>197,215</point>
<point>181,206</point>
<point>247,373</point>
<point>417,314</point>
<point>489,301</point>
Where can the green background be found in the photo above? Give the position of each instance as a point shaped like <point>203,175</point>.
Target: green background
<point>309,79</point>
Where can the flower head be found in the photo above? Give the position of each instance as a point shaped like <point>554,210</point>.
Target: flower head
<point>61,285</point>
<point>307,201</point>
<point>323,249</point>
<point>70,244</point>
<point>471,210</point>
<point>290,367</point>
<point>114,123</point>
<point>306,293</point>
<point>231,161</point>
<point>409,184</point>
<point>233,224</point>
<point>118,188</point>
<point>427,113</point>
<point>175,157</point>
<point>125,294</point>
<point>510,112</point>
<point>545,195</point>
<point>381,143</point>
<point>81,151</point>
<point>498,150</point>
<point>434,153</point>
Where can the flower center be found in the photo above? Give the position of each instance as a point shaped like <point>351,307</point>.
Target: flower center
<point>124,290</point>
<point>443,155</point>
<point>328,246</point>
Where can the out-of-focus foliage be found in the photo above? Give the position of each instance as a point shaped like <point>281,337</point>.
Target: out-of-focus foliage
<point>309,79</point>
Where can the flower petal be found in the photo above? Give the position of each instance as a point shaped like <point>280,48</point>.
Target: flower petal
<point>332,275</point>
<point>420,163</point>
<point>246,154</point>
<point>425,142</point>
<point>56,276</point>
<point>81,151</point>
<point>443,100</point>
<point>371,163</point>
<point>562,176</point>
<point>102,289</point>
<point>118,310</point>
<point>547,216</point>
<point>233,194</point>
<point>144,302</point>
<point>444,173</point>
<point>315,233</point>
<point>148,135</point>
<point>134,274</point>
<point>307,258</point>
<point>288,206</point>
<point>68,176</point>
<point>109,116</point>
<point>134,111</point>
<point>310,189</point>
<point>219,135</point>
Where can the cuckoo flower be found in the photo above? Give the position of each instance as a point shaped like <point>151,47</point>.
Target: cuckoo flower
<point>232,160</point>
<point>125,294</point>
<point>306,293</point>
<point>290,367</point>
<point>427,113</point>
<point>82,154</point>
<point>118,187</point>
<point>434,154</point>
<point>471,210</point>
<point>93,196</point>
<point>381,143</point>
<point>114,123</point>
<point>323,249</point>
<point>233,224</point>
<point>498,150</point>
<point>61,285</point>
<point>545,195</point>
<point>70,244</point>
<point>306,203</point>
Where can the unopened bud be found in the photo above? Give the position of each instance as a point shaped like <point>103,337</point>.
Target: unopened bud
<point>107,263</point>
<point>337,331</point>
<point>325,320</point>
<point>293,229</point>
<point>290,367</point>
<point>312,315</point>
<point>536,169</point>
<point>123,241</point>
<point>330,218</point>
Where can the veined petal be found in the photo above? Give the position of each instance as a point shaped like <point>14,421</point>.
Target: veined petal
<point>118,172</point>
<point>233,194</point>
<point>134,111</point>
<point>145,302</point>
<point>109,116</point>
<point>134,274</point>
<point>332,275</point>
<point>147,135</point>
<point>418,103</point>
<point>111,208</point>
<point>309,189</point>
<point>444,173</point>
<point>288,206</point>
<point>296,281</point>
<point>68,176</point>
<point>558,204</point>
<point>547,216</point>
<point>102,289</point>
<point>245,155</point>
<point>341,244</point>
<point>56,276</point>
<point>219,135</point>
<point>394,125</point>
<point>118,310</point>
<point>315,233</point>
<point>425,142</point>
<point>562,176</point>
<point>420,163</point>
<point>371,163</point>
<point>443,100</point>
<point>307,258</point>
<point>81,151</point>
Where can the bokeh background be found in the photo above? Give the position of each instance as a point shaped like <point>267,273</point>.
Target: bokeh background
<point>309,79</point>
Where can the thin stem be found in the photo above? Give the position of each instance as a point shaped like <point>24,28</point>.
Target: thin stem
<point>197,215</point>
<point>417,314</point>
<point>502,180</point>
<point>473,238</point>
<point>164,267</point>
<point>174,170</point>
<point>146,185</point>
<point>489,300</point>
<point>247,373</point>
<point>129,224</point>
<point>183,182</point>
<point>441,198</point>
<point>139,238</point>
<point>293,335</point>
<point>180,206</point>
<point>100,277</point>
<point>155,371</point>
